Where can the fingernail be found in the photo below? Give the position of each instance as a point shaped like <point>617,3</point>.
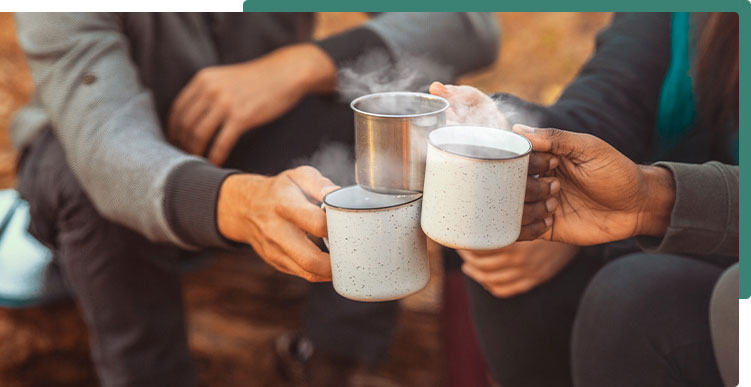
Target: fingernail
<point>549,221</point>
<point>555,186</point>
<point>524,128</point>
<point>551,204</point>
<point>554,163</point>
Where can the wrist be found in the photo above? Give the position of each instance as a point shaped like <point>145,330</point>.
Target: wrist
<point>316,71</point>
<point>655,214</point>
<point>233,202</point>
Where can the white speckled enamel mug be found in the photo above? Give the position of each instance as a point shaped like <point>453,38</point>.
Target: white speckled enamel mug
<point>378,251</point>
<point>475,178</point>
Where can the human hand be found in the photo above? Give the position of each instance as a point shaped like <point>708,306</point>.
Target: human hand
<point>273,214</point>
<point>603,195</point>
<point>517,268</point>
<point>469,106</point>
<point>223,102</point>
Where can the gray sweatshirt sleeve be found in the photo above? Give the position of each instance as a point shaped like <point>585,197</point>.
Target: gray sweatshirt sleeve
<point>105,120</point>
<point>705,214</point>
<point>408,50</point>
<point>458,42</point>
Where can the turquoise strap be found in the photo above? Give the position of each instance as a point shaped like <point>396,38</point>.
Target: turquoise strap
<point>676,109</point>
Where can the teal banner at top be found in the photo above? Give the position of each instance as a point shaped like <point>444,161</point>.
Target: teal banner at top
<point>495,6</point>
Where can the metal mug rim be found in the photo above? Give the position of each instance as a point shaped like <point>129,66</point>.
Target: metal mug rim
<point>373,209</point>
<point>413,93</point>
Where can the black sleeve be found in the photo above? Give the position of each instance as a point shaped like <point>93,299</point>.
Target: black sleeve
<point>350,45</point>
<point>615,95</point>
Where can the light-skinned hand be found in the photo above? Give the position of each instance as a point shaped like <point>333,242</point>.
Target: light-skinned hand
<point>221,103</point>
<point>469,106</point>
<point>517,268</point>
<point>273,214</point>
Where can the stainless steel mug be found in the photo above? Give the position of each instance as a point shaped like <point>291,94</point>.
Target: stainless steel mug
<point>391,131</point>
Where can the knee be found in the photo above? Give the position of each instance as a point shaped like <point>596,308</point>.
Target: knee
<point>614,299</point>
<point>634,291</point>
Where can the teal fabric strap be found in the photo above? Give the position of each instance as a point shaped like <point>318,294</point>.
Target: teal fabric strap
<point>677,109</point>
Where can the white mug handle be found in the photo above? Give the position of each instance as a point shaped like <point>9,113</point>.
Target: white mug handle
<point>325,239</point>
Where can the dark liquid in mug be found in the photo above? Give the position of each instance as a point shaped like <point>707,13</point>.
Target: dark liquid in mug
<point>478,151</point>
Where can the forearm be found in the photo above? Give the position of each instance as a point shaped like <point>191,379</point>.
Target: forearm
<point>440,46</point>
<point>316,69</point>
<point>450,43</point>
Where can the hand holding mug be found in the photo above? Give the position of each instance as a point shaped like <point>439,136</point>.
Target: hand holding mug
<point>604,196</point>
<point>273,214</point>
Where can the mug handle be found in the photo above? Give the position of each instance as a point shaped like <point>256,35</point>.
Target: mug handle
<point>322,243</point>
<point>326,238</point>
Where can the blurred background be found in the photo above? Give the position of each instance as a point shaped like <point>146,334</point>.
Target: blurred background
<point>237,306</point>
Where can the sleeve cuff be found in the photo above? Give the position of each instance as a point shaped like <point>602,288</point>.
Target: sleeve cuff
<point>350,45</point>
<point>697,225</point>
<point>190,201</point>
<point>517,110</point>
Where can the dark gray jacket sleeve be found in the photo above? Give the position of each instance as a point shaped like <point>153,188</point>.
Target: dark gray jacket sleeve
<point>89,88</point>
<point>705,214</point>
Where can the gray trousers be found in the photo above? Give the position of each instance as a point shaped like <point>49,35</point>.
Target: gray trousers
<point>128,288</point>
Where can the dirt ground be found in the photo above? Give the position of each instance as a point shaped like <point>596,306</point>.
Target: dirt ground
<point>236,306</point>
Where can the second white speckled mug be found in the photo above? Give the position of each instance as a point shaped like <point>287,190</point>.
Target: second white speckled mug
<point>475,178</point>
<point>378,251</point>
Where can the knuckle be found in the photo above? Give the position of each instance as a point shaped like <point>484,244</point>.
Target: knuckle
<point>305,170</point>
<point>556,133</point>
<point>203,75</point>
<point>200,136</point>
<point>307,263</point>
<point>498,292</point>
<point>538,210</point>
<point>222,102</point>
<point>480,276</point>
<point>320,227</point>
<point>281,207</point>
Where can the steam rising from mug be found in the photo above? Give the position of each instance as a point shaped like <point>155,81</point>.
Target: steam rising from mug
<point>335,160</point>
<point>377,72</point>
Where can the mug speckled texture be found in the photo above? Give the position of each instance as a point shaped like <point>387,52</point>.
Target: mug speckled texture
<point>379,253</point>
<point>474,203</point>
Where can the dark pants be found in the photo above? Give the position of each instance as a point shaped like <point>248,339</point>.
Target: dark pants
<point>643,320</point>
<point>525,339</point>
<point>129,288</point>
